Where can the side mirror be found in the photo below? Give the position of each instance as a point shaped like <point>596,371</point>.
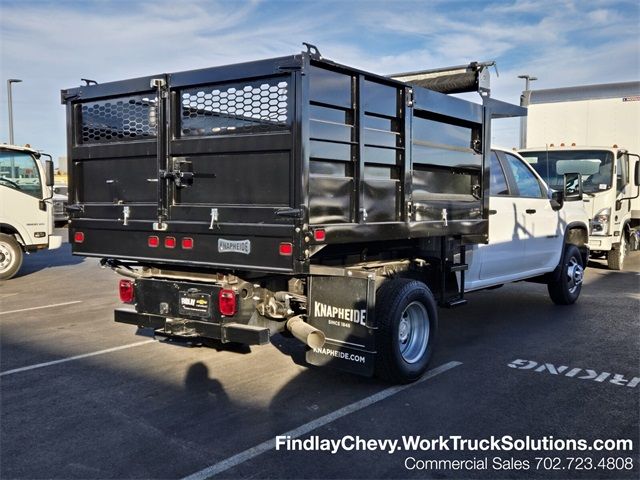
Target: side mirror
<point>636,174</point>
<point>557,200</point>
<point>48,171</point>
<point>572,187</point>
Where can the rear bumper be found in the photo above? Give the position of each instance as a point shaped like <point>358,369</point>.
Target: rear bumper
<point>227,332</point>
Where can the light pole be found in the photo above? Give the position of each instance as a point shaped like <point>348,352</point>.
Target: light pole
<point>524,102</point>
<point>10,102</point>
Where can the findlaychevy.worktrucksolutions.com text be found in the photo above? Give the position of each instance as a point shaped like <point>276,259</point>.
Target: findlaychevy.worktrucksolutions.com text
<point>456,443</point>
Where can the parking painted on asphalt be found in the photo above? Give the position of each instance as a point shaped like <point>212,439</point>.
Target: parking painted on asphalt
<point>565,371</point>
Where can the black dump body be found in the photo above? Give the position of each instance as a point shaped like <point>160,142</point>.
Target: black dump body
<point>271,166</point>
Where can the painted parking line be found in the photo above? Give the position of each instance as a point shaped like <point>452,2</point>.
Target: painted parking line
<point>75,357</point>
<point>314,424</point>
<point>39,308</point>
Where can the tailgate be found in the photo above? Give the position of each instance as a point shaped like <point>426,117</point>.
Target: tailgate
<point>194,167</point>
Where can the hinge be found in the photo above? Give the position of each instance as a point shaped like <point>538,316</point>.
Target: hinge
<point>126,213</point>
<point>214,218</point>
<point>410,97</point>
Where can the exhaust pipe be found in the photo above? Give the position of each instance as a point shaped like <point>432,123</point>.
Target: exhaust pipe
<point>305,332</point>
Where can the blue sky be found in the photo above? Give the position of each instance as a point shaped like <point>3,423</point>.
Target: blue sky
<point>51,45</point>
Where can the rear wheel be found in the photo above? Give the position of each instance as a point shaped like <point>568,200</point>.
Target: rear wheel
<point>407,323</point>
<point>566,289</point>
<point>10,256</point>
<point>598,254</point>
<point>616,256</point>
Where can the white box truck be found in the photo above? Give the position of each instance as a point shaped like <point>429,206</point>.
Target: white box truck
<point>593,130</point>
<point>26,209</point>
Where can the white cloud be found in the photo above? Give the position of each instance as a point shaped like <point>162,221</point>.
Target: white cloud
<point>51,45</point>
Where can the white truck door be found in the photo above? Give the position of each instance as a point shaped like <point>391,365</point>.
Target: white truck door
<point>542,229</point>
<point>503,255</point>
<point>20,193</point>
<point>624,190</point>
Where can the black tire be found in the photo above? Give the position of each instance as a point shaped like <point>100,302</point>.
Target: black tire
<point>398,359</point>
<point>10,256</point>
<point>617,255</point>
<point>598,254</point>
<point>566,290</point>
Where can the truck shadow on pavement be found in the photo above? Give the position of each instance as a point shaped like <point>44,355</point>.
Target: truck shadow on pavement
<point>156,412</point>
<point>48,259</point>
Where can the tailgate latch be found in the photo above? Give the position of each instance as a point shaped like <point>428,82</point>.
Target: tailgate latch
<point>182,174</point>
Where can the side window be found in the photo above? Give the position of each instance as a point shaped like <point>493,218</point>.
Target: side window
<point>622,169</point>
<point>498,183</point>
<point>19,171</point>
<point>527,183</point>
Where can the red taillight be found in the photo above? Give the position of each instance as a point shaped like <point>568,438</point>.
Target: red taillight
<point>126,291</point>
<point>187,243</point>
<point>78,237</point>
<point>286,248</point>
<point>227,302</point>
<point>170,242</point>
<point>319,235</point>
<point>153,241</point>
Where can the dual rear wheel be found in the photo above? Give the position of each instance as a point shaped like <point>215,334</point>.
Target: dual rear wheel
<point>407,324</point>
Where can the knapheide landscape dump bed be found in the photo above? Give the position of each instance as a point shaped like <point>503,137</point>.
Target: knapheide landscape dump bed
<point>290,194</point>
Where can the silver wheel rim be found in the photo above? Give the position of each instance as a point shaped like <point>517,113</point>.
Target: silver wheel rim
<point>575,274</point>
<point>413,332</point>
<point>6,259</point>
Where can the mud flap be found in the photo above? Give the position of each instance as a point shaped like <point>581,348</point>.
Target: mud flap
<point>343,308</point>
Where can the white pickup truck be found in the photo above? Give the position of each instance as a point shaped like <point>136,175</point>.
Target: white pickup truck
<point>26,213</point>
<point>535,234</point>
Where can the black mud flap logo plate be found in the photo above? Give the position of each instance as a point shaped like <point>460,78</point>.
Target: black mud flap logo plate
<point>198,304</point>
<point>342,307</point>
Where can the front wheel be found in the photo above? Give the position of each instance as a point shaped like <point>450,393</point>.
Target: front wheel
<point>10,256</point>
<point>407,320</point>
<point>566,289</point>
<point>616,256</point>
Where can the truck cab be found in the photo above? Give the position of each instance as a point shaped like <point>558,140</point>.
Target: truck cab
<point>26,214</point>
<point>610,182</point>
<point>533,230</point>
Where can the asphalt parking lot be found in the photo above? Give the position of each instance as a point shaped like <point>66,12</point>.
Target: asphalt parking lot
<point>83,397</point>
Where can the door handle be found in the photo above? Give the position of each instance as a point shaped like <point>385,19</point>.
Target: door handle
<point>492,212</point>
<point>530,210</point>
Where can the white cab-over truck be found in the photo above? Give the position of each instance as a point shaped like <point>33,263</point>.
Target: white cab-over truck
<point>26,214</point>
<point>535,233</point>
<point>594,130</point>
